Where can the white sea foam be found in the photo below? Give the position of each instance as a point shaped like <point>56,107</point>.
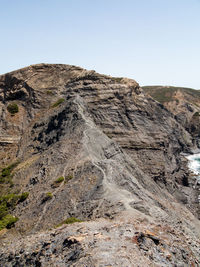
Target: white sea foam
<point>194,164</point>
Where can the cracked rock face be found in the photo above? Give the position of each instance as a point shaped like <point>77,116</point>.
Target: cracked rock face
<point>184,103</point>
<point>96,148</point>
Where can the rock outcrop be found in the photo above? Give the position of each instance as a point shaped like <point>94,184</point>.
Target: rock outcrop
<point>184,103</point>
<point>96,148</point>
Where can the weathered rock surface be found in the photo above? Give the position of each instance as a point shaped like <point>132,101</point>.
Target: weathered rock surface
<point>125,241</point>
<point>119,152</point>
<point>184,103</point>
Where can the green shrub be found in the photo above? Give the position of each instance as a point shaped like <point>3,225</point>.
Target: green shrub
<point>196,114</point>
<point>69,177</point>
<point>58,102</point>
<point>10,200</point>
<point>23,196</point>
<point>117,79</point>
<point>12,108</point>
<point>7,203</point>
<point>3,210</point>
<point>6,173</point>
<point>7,170</point>
<point>8,221</point>
<point>59,180</point>
<point>49,92</point>
<point>48,196</point>
<point>69,221</point>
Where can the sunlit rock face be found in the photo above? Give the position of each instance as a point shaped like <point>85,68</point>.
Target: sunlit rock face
<point>96,148</point>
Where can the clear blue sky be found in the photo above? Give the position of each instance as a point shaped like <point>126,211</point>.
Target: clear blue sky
<point>151,41</point>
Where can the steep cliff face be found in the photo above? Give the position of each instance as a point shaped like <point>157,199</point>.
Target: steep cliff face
<point>92,146</point>
<point>184,103</point>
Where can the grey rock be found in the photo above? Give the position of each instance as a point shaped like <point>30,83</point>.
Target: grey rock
<point>119,152</point>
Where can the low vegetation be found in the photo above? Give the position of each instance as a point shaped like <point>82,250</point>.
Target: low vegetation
<point>13,108</point>
<point>58,102</point>
<point>9,200</point>
<point>196,114</point>
<point>6,173</point>
<point>8,221</point>
<point>117,79</point>
<point>23,196</point>
<point>68,177</point>
<point>164,94</point>
<point>7,204</point>
<point>49,92</point>
<point>48,196</point>
<point>59,180</point>
<point>160,93</point>
<point>69,220</point>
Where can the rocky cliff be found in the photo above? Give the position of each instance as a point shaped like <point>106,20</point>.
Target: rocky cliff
<point>184,103</point>
<point>88,147</point>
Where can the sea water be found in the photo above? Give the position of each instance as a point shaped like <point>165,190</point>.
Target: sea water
<point>194,164</point>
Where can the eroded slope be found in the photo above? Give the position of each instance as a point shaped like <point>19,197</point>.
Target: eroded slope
<point>92,146</point>
<point>184,103</point>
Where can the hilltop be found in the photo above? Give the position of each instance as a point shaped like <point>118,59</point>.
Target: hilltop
<point>97,151</point>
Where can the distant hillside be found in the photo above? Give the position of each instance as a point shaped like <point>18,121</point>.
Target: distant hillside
<point>183,102</point>
<point>165,94</point>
